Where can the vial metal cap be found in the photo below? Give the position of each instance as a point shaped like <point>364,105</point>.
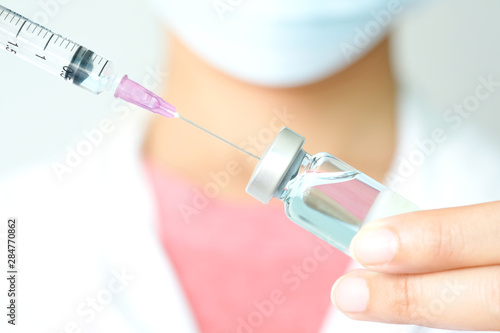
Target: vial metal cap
<point>275,164</point>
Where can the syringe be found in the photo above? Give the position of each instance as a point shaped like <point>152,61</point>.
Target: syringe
<point>78,65</point>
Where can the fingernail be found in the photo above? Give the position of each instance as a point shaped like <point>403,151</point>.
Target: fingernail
<point>374,246</point>
<point>351,295</point>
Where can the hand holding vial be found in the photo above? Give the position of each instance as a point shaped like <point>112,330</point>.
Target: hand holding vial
<point>430,268</point>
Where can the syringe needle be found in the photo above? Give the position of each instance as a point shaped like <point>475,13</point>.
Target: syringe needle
<point>218,137</point>
<point>134,93</point>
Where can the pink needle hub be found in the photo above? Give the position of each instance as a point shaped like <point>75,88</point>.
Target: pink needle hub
<point>132,92</point>
<point>136,94</point>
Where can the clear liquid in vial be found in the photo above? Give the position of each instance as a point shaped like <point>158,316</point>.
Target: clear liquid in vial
<point>335,205</point>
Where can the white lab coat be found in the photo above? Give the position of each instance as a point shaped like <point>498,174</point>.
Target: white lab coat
<point>77,236</point>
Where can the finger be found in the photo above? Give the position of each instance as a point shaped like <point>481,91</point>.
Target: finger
<point>466,299</point>
<point>430,241</point>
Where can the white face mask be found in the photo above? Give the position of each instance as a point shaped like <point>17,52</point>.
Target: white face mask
<point>281,43</point>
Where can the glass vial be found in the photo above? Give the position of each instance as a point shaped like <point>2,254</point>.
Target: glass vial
<point>321,193</point>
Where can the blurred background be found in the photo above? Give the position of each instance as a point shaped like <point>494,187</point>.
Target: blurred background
<point>439,50</point>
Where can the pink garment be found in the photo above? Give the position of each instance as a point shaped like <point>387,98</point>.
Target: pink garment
<point>244,267</point>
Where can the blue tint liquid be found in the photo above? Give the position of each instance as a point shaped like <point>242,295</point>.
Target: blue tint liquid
<point>335,205</point>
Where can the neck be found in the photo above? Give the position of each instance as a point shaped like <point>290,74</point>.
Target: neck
<point>350,115</point>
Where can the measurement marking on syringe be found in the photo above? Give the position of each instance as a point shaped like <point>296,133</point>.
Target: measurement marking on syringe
<point>48,42</point>
<point>103,68</point>
<point>21,29</point>
<point>74,45</point>
<point>13,17</point>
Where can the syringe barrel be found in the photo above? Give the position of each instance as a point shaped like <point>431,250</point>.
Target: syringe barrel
<point>56,54</point>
